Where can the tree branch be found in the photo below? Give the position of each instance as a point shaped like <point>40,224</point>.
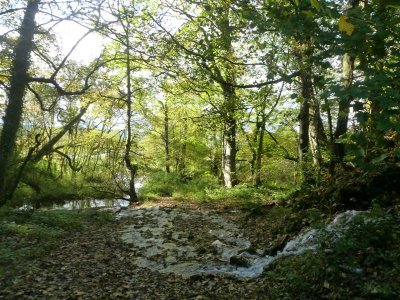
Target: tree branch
<point>287,155</point>
<point>71,165</point>
<point>39,99</point>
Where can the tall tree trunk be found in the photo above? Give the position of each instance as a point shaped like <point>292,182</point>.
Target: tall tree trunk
<point>344,107</point>
<point>253,147</point>
<point>317,133</point>
<point>215,156</point>
<point>311,131</point>
<point>304,115</point>
<point>229,141</point>
<point>344,103</point>
<point>230,99</point>
<point>166,138</point>
<point>132,168</point>
<point>259,153</point>
<point>181,158</point>
<point>19,79</point>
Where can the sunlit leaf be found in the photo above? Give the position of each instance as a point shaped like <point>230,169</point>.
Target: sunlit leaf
<point>308,13</point>
<point>316,4</point>
<point>345,26</point>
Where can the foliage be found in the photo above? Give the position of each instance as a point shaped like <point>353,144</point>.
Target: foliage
<point>55,190</point>
<point>362,263</point>
<point>179,185</point>
<point>353,190</point>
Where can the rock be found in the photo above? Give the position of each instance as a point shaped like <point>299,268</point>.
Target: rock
<point>170,259</point>
<point>26,207</point>
<point>201,297</point>
<point>218,246</point>
<point>278,245</point>
<point>239,261</point>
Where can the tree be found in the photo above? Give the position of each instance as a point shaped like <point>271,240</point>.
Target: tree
<point>19,80</point>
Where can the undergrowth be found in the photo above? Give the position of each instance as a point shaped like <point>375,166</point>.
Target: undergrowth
<point>363,263</point>
<point>207,189</point>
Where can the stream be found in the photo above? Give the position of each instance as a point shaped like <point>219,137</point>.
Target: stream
<point>110,204</point>
<point>188,243</point>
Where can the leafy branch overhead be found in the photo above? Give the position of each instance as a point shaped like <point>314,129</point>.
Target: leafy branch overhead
<point>262,93</point>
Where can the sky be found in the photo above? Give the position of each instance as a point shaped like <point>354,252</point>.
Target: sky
<point>89,48</point>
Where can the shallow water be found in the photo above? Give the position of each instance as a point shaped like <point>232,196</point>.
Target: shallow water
<point>92,203</point>
<point>162,246</point>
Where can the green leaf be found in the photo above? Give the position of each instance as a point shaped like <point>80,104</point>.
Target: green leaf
<point>308,13</point>
<point>345,26</point>
<point>379,158</point>
<point>362,117</point>
<point>341,141</point>
<point>316,4</point>
<point>384,123</point>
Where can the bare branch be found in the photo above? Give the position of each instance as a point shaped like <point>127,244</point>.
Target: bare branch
<point>61,91</point>
<point>40,100</point>
<point>8,11</point>
<point>70,163</point>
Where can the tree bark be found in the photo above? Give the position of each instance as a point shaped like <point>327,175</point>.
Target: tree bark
<point>181,158</point>
<point>19,79</point>
<point>259,153</point>
<point>344,103</point>
<point>229,141</point>
<point>48,147</point>
<point>344,107</point>
<point>317,133</point>
<point>304,115</point>
<point>215,156</point>
<point>230,100</point>
<point>166,138</point>
<point>132,168</point>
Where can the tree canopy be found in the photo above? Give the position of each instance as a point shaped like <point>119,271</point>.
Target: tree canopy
<point>264,93</point>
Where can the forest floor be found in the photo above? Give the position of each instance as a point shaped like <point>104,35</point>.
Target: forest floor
<point>101,260</point>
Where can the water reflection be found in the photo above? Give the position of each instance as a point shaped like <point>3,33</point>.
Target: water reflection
<point>92,203</point>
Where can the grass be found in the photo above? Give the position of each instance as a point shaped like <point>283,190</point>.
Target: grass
<point>29,235</point>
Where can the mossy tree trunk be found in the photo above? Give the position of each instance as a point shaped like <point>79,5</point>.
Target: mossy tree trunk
<point>19,80</point>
